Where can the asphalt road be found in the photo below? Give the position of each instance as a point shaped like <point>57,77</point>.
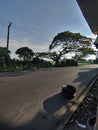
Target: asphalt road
<point>29,100</point>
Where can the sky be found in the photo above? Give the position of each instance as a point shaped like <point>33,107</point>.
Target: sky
<point>36,22</point>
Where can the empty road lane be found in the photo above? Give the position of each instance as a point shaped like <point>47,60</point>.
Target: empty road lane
<point>32,99</point>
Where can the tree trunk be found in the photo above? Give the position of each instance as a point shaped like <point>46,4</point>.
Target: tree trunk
<point>57,60</point>
<point>57,63</point>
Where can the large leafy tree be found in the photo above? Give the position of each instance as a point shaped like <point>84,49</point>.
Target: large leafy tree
<point>49,55</point>
<point>69,41</point>
<point>25,53</point>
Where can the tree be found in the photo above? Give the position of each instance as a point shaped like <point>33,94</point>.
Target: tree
<point>83,52</point>
<point>48,55</point>
<point>25,53</point>
<point>69,41</point>
<point>4,57</point>
<point>42,54</point>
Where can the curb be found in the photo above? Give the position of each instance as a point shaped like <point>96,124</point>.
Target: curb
<point>73,105</point>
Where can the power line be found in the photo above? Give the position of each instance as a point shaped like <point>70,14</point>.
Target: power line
<point>4,20</point>
<point>3,24</point>
<point>19,31</point>
<point>16,26</point>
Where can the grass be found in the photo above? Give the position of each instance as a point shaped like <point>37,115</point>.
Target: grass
<point>83,63</point>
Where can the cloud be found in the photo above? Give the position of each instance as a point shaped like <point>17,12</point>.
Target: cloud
<point>15,44</point>
<point>92,36</point>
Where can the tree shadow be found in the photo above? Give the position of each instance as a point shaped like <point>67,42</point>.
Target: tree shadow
<point>45,120</point>
<point>4,125</point>
<point>86,77</point>
<point>3,74</point>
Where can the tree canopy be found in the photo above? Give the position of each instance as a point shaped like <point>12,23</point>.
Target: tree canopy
<point>48,55</point>
<point>4,53</point>
<point>69,41</point>
<point>25,53</point>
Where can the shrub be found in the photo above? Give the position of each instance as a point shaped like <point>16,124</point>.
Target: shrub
<point>68,62</point>
<point>95,61</point>
<point>40,63</point>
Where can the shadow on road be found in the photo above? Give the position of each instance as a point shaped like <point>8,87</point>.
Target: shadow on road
<point>42,121</point>
<point>46,118</point>
<point>85,76</point>
<point>54,103</point>
<point>11,74</point>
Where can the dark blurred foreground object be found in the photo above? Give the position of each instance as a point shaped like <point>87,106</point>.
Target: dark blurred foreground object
<point>91,122</point>
<point>96,42</point>
<point>68,91</point>
<point>89,9</point>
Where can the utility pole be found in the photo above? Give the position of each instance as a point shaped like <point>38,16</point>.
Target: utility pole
<point>8,34</point>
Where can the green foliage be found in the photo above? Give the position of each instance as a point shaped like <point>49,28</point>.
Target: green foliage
<point>53,56</point>
<point>84,63</point>
<point>64,38</point>
<point>95,61</point>
<point>85,51</point>
<point>40,63</point>
<point>71,62</point>
<point>69,41</point>
<point>49,55</point>
<point>68,62</point>
<point>42,54</point>
<point>4,53</point>
<point>4,58</point>
<point>25,53</point>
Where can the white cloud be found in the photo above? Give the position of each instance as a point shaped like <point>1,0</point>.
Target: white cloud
<point>15,44</point>
<point>90,57</point>
<point>92,36</point>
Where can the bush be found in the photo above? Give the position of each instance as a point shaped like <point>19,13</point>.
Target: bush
<point>40,63</point>
<point>95,61</point>
<point>62,63</point>
<point>71,62</point>
<point>68,62</point>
